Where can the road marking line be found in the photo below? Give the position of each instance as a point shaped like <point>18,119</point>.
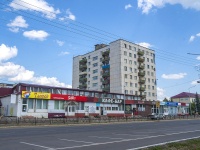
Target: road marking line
<point>105,137</point>
<point>163,143</point>
<point>75,141</point>
<point>125,140</point>
<point>130,134</point>
<point>36,145</point>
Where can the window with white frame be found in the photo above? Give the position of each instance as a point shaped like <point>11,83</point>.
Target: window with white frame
<point>94,84</point>
<point>95,64</point>
<point>59,105</point>
<point>95,78</point>
<point>95,71</point>
<point>141,107</point>
<point>95,58</point>
<point>41,104</point>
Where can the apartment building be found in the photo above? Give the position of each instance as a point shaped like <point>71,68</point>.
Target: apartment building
<point>120,67</point>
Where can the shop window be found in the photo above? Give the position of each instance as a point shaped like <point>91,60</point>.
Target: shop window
<point>30,104</point>
<point>42,104</point>
<point>141,107</point>
<point>59,105</point>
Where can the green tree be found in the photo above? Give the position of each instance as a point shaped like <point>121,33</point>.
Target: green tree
<point>197,104</point>
<point>165,100</point>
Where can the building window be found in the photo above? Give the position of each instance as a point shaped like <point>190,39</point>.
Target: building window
<point>149,87</point>
<point>152,87</point>
<point>130,69</point>
<point>131,76</point>
<point>30,103</point>
<point>135,70</point>
<point>125,76</point>
<point>41,104</point>
<point>95,71</point>
<point>130,55</point>
<point>147,59</point>
<point>152,74</point>
<point>135,77</point>
<point>95,58</point>
<point>141,107</point>
<point>126,84</point>
<point>131,84</point>
<point>125,45</point>
<point>95,64</point>
<point>59,105</point>
<point>135,63</point>
<point>130,62</point>
<point>135,84</point>
<point>94,84</point>
<point>125,53</point>
<point>130,47</point>
<point>95,78</point>
<point>89,57</point>
<point>134,55</point>
<point>125,61</point>
<point>88,63</point>
<point>147,66</point>
<point>88,69</point>
<point>125,68</point>
<point>131,91</point>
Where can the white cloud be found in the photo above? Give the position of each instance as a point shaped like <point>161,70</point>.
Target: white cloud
<point>198,58</point>
<point>198,34</point>
<point>195,82</point>
<point>18,73</point>
<point>7,52</point>
<point>64,53</point>
<point>69,16</point>
<point>36,5</point>
<point>174,76</point>
<point>60,43</point>
<point>17,23</point>
<point>192,38</point>
<point>144,44</point>
<point>147,5</point>
<point>161,94</point>
<point>40,35</point>
<point>128,6</point>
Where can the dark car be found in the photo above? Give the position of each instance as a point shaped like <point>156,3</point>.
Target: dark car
<point>156,116</point>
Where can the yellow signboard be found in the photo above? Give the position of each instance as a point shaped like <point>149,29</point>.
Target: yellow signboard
<point>36,95</point>
<point>157,104</point>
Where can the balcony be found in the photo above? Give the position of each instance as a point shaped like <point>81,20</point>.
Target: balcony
<point>82,80</point>
<point>141,60</point>
<point>106,74</point>
<point>106,60</point>
<point>105,82</point>
<point>83,86</point>
<point>83,61</point>
<point>141,67</point>
<point>82,67</point>
<point>140,53</point>
<point>142,89</point>
<point>141,74</point>
<point>105,66</point>
<point>106,53</point>
<point>141,81</point>
<point>106,89</point>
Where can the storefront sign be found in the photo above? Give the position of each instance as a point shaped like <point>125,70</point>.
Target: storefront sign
<point>68,97</point>
<point>111,100</point>
<point>36,95</point>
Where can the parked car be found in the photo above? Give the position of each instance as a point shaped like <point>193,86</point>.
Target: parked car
<point>156,116</point>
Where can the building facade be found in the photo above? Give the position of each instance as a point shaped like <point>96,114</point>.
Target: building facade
<point>184,97</point>
<point>29,100</point>
<point>120,67</point>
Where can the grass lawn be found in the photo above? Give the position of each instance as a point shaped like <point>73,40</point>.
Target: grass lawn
<point>184,145</point>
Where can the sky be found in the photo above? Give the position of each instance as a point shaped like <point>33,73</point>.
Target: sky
<point>39,38</point>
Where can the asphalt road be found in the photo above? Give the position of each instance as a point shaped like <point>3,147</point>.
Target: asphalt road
<point>123,136</point>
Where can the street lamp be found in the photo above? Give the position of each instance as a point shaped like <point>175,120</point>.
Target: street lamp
<point>189,98</point>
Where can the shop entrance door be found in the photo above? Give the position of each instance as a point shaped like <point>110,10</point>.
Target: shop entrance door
<point>71,110</point>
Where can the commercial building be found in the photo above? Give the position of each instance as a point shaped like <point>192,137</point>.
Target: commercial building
<point>184,97</point>
<point>30,100</point>
<point>120,67</point>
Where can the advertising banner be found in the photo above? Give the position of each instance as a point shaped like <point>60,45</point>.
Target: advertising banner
<point>68,97</point>
<point>36,95</point>
<point>111,101</point>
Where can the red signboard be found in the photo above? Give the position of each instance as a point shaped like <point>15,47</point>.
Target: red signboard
<point>68,97</point>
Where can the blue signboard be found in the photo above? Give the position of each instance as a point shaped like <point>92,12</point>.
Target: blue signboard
<point>171,104</point>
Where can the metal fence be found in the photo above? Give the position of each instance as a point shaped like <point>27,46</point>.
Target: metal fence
<point>15,121</point>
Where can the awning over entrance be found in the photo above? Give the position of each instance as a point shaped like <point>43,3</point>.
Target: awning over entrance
<point>70,103</point>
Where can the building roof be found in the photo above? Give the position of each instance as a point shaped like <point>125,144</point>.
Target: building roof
<point>185,94</point>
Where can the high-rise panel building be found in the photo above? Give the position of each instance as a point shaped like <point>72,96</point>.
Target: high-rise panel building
<point>120,67</point>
